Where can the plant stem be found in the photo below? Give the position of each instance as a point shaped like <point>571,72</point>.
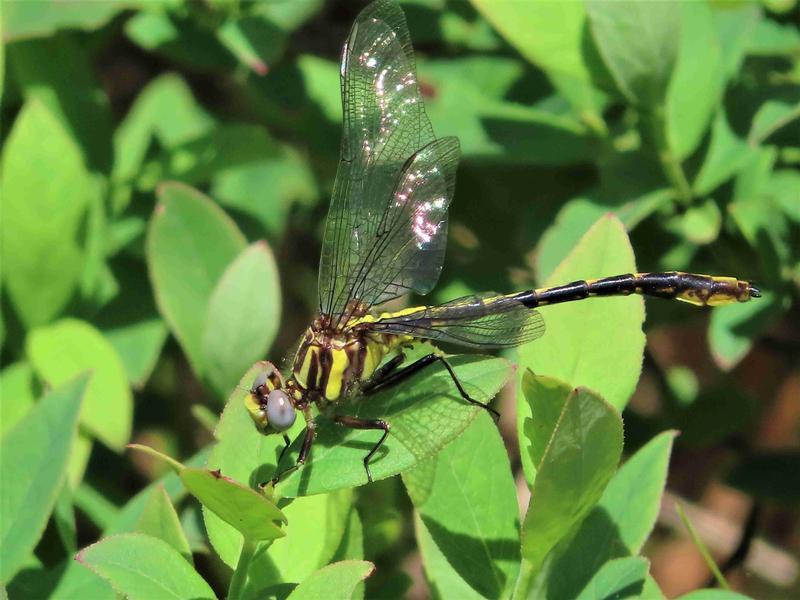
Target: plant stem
<point>709,560</point>
<point>236,589</point>
<point>669,162</point>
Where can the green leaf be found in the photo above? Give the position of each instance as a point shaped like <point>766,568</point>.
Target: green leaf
<point>783,186</point>
<point>726,154</point>
<point>56,71</point>
<point>336,580</point>
<point>442,578</point>
<point>713,595</point>
<point>537,417</point>
<point>243,454</point>
<point>19,395</point>
<point>770,475</point>
<point>164,110</point>
<point>617,526</point>
<point>143,567</point>
<point>253,40</point>
<point>42,253</point>
<point>159,520</point>
<point>771,116</point>
<point>278,182</point>
<point>190,243</point>
<point>578,463</point>
<point>425,414</point>
<point>689,107</point>
<point>243,315</point>
<point>576,347</point>
<point>490,127</point>
<point>307,545</point>
<point>735,23</point>
<point>467,500</point>
<point>771,38</point>
<point>620,578</point>
<point>552,36</point>
<point>33,461</point>
<point>639,42</point>
<point>701,223</point>
<point>243,508</point>
<point>733,328</point>
<point>30,19</point>
<point>60,351</point>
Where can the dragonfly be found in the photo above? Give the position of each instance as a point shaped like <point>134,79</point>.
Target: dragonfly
<point>385,237</point>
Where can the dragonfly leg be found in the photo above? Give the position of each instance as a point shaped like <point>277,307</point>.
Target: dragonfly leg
<point>356,423</point>
<point>286,443</point>
<point>383,373</point>
<point>396,376</point>
<point>307,441</point>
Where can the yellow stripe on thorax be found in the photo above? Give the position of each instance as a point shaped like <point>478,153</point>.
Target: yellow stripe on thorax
<point>340,362</point>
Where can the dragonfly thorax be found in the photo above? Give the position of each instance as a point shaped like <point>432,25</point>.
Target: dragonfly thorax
<point>328,364</point>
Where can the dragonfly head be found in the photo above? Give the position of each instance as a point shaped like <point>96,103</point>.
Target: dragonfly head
<point>268,402</point>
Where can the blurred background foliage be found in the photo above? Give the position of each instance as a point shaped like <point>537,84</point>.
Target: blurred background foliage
<point>684,123</point>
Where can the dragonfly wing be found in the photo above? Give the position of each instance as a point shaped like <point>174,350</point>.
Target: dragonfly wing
<point>478,321</point>
<point>386,229</point>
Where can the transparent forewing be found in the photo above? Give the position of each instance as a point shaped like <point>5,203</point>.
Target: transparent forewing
<point>479,321</point>
<point>386,227</point>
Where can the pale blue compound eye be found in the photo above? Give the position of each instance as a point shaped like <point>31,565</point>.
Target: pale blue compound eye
<point>259,381</point>
<point>280,410</point>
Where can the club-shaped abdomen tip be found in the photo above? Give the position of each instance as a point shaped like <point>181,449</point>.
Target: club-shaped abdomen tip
<point>754,291</point>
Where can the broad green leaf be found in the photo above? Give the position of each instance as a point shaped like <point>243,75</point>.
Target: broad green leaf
<point>489,127</point>
<point>713,595</point>
<point>617,526</point>
<point>584,338</point>
<point>159,520</point>
<point>60,351</point>
<point>735,23</point>
<point>689,106</point>
<point>278,182</point>
<point>190,243</point>
<point>31,19</point>
<point>701,223</point>
<point>124,520</point>
<point>425,413</point>
<point>770,38</point>
<point>79,459</point>
<point>65,581</point>
<point>733,328</point>
<point>33,460</point>
<point>578,463</point>
<point>64,519</point>
<point>726,155</point>
<point>243,315</point>
<point>639,42</point>
<point>783,186</point>
<point>18,393</point>
<point>442,578</point>
<point>243,454</point>
<point>770,475</point>
<point>164,110</point>
<point>253,40</point>
<point>337,580</point>
<point>143,567</point>
<point>771,116</point>
<point>467,500</point>
<point>130,322</point>
<point>42,253</point>
<point>316,526</point>
<point>57,72</point>
<point>538,410</point>
<point>619,578</point>
<point>552,35</point>
<point>249,512</point>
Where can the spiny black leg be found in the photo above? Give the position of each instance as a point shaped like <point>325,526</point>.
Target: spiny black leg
<point>381,374</point>
<point>356,423</point>
<point>287,442</point>
<point>429,359</point>
<point>301,459</point>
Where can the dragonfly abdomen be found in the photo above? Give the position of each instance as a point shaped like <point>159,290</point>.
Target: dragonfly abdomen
<point>700,290</point>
